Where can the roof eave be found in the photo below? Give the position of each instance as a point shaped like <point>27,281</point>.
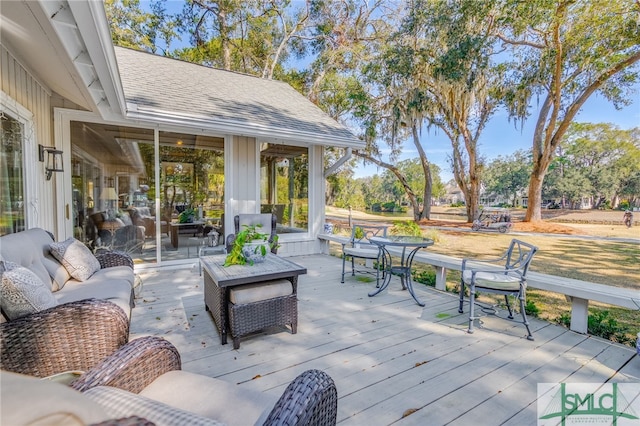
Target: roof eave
<point>240,128</point>
<point>91,52</point>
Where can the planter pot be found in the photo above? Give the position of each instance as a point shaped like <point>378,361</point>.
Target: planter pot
<point>255,251</point>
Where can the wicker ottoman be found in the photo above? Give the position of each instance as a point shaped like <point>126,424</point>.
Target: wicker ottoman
<point>254,307</point>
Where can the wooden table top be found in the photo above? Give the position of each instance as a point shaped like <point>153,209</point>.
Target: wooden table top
<point>274,267</point>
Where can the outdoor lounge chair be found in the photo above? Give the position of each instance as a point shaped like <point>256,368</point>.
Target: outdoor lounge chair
<point>359,247</point>
<point>509,279</point>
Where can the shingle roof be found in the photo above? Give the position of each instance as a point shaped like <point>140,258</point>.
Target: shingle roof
<point>187,90</point>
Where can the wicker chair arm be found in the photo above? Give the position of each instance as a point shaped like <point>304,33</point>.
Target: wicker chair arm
<point>72,336</point>
<point>133,366</point>
<point>108,259</point>
<point>311,399</point>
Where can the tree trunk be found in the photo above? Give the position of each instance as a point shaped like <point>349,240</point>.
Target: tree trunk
<point>224,40</point>
<point>425,213</point>
<point>535,195</point>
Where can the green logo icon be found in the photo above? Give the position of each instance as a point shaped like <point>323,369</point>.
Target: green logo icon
<point>588,403</point>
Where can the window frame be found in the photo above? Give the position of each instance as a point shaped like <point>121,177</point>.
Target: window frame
<point>21,114</point>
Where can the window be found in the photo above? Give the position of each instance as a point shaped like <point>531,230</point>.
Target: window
<point>12,175</point>
<point>284,186</point>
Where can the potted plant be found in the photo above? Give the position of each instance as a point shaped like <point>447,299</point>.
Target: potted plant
<point>187,215</point>
<point>250,246</point>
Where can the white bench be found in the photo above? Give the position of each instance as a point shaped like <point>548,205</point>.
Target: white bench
<point>578,292</point>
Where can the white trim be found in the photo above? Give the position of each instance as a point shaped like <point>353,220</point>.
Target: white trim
<point>29,154</point>
<point>62,141</point>
<point>157,189</point>
<point>229,169</point>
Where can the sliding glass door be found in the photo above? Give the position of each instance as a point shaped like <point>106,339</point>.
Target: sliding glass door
<point>118,204</point>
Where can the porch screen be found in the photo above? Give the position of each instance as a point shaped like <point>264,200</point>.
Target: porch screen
<point>284,185</point>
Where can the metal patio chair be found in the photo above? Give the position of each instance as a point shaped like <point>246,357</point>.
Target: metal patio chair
<point>509,279</point>
<point>359,247</point>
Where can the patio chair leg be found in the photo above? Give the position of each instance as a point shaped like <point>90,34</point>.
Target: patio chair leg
<point>524,318</point>
<point>460,307</point>
<point>472,301</point>
<point>343,262</point>
<point>353,267</point>
<point>506,299</point>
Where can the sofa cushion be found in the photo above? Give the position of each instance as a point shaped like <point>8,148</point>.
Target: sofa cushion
<point>113,284</point>
<point>22,292</point>
<point>213,398</point>
<point>56,403</point>
<point>27,248</point>
<point>250,293</point>
<point>120,403</point>
<point>76,258</point>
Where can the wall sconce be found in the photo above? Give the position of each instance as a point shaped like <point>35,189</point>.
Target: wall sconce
<point>54,159</point>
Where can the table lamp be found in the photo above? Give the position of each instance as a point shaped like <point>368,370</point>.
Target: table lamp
<point>109,194</point>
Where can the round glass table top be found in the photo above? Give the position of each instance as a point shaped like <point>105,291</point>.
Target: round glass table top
<point>402,240</point>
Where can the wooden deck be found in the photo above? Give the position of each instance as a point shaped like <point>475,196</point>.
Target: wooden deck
<point>387,355</point>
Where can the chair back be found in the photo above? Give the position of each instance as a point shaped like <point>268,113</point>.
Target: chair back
<point>266,220</point>
<point>360,234</point>
<point>519,256</point>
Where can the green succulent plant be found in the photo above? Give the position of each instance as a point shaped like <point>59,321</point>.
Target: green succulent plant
<point>249,234</point>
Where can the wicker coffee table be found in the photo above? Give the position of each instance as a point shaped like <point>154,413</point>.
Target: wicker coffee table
<point>242,319</point>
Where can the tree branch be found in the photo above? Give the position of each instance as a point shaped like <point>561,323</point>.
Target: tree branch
<point>519,42</point>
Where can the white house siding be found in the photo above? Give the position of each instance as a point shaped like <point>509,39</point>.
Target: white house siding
<point>22,87</point>
<point>243,179</point>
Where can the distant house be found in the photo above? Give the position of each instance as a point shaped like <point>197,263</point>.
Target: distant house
<point>159,133</point>
<point>453,194</point>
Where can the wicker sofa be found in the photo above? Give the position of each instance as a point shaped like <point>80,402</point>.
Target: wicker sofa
<point>113,281</point>
<point>141,378</point>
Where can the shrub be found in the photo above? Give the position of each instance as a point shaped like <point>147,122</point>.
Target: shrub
<point>600,323</point>
<point>427,277</point>
<point>405,227</point>
<point>531,309</point>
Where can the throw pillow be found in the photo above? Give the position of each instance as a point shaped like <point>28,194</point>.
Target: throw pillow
<point>58,273</point>
<point>22,292</point>
<point>76,258</point>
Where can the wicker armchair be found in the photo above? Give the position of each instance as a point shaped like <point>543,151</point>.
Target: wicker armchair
<point>91,336</point>
<point>310,399</point>
<point>73,336</point>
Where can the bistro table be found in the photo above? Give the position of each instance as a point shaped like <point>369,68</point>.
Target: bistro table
<point>218,280</point>
<point>406,261</point>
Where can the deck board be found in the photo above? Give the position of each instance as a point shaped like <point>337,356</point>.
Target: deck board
<point>386,354</point>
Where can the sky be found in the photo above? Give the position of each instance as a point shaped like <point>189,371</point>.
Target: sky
<point>502,138</point>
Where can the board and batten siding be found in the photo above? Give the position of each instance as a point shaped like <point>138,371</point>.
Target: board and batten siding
<point>244,177</point>
<point>22,90</point>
